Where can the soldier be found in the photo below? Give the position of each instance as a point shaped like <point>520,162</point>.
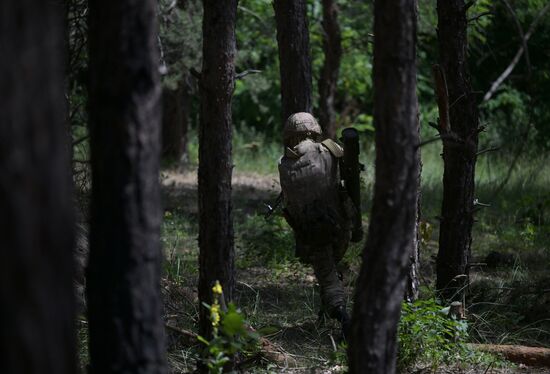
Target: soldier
<point>317,207</point>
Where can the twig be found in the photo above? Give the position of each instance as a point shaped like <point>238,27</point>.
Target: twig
<point>477,203</point>
<point>433,125</point>
<point>469,4</point>
<point>478,16</point>
<point>489,367</point>
<point>481,129</point>
<point>335,349</point>
<point>186,333</point>
<point>429,141</point>
<point>494,149</point>
<point>243,74</point>
<point>78,141</point>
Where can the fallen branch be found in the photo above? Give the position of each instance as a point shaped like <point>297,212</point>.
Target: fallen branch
<point>190,336</point>
<point>531,356</point>
<point>268,350</point>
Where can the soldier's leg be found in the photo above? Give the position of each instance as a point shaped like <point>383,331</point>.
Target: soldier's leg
<point>340,245</point>
<point>332,289</point>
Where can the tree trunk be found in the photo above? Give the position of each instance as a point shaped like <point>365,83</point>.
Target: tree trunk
<point>294,56</point>
<point>217,82</point>
<point>332,48</point>
<point>412,290</point>
<point>36,218</point>
<point>460,138</point>
<point>175,122</point>
<point>381,284</point>
<point>123,275</point>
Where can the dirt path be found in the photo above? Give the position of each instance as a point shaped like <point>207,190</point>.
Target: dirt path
<point>250,190</point>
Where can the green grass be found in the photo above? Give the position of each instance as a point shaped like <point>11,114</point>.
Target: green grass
<point>252,152</point>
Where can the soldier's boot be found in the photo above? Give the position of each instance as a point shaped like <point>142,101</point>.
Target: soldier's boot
<point>341,315</point>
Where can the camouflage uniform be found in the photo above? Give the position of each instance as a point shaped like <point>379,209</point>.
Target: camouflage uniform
<point>316,206</point>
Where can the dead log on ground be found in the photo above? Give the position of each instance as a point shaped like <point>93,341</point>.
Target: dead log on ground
<point>530,356</point>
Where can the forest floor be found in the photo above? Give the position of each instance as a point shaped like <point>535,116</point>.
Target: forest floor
<point>279,296</point>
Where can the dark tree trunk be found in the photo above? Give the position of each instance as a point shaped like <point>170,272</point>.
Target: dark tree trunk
<point>294,56</point>
<point>381,284</point>
<point>412,290</point>
<point>460,137</point>
<point>332,48</point>
<point>36,220</point>
<point>175,122</point>
<point>123,275</point>
<point>217,82</point>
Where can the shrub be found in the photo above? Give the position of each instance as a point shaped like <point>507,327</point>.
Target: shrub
<point>428,336</point>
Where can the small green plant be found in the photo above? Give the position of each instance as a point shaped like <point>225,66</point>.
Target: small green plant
<point>427,335</point>
<point>339,356</point>
<point>230,335</point>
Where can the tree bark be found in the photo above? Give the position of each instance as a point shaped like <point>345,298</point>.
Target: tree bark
<point>294,56</point>
<point>381,284</point>
<point>175,122</point>
<point>460,139</point>
<point>123,275</point>
<point>332,48</point>
<point>36,217</point>
<point>412,290</point>
<point>217,82</point>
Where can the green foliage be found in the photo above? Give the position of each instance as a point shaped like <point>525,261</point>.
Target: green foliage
<point>509,118</point>
<point>526,93</point>
<point>256,102</point>
<point>339,356</point>
<point>253,151</point>
<point>428,336</point>
<point>430,339</point>
<point>231,335</point>
<point>265,242</point>
<point>180,37</point>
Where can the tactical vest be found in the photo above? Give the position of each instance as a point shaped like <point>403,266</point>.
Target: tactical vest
<point>310,183</point>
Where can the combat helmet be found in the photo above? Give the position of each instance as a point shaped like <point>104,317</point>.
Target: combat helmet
<point>300,126</point>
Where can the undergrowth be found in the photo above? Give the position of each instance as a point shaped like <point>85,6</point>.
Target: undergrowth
<point>508,303</point>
